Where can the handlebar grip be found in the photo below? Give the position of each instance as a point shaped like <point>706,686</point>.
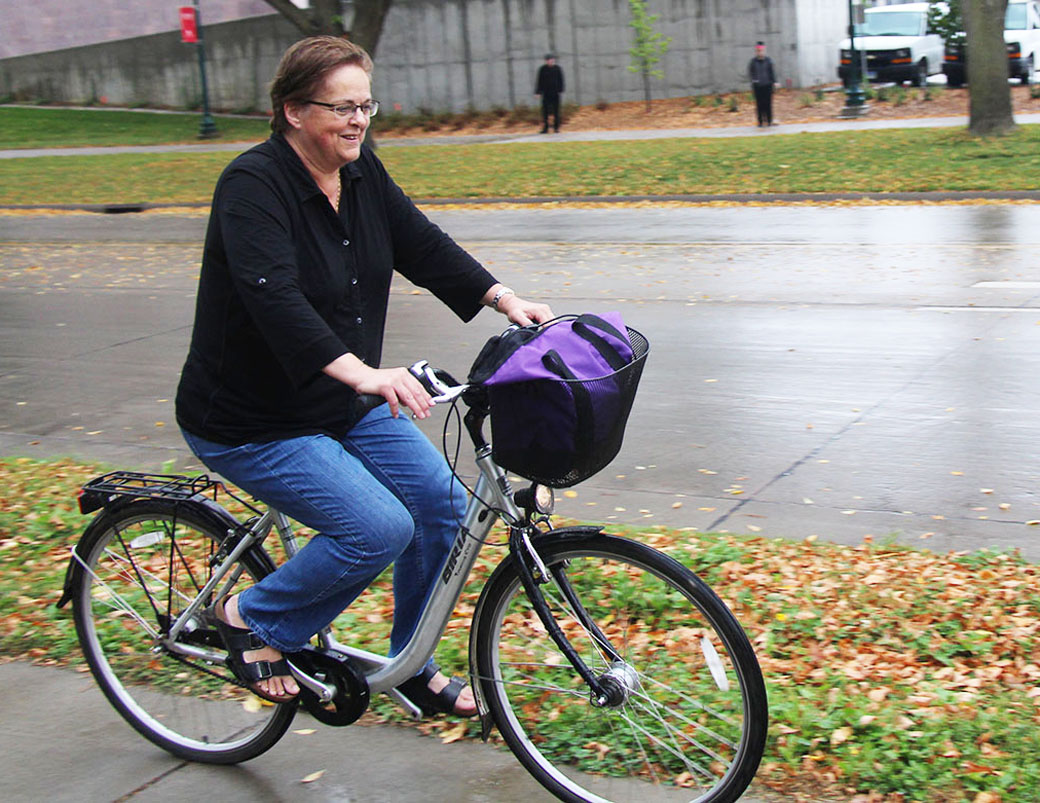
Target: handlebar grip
<point>441,385</point>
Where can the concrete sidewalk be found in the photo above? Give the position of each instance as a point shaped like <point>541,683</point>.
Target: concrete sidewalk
<point>61,741</point>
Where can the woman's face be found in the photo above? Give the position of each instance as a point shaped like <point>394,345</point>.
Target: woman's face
<point>328,139</point>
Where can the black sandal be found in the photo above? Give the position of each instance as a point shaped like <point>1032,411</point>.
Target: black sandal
<point>417,690</point>
<point>240,640</point>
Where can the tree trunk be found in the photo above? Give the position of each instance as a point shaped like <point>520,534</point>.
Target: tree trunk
<point>326,17</point>
<point>367,26</point>
<point>989,93</point>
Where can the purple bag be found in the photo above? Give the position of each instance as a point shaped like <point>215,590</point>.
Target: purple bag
<point>560,394</point>
<point>583,347</point>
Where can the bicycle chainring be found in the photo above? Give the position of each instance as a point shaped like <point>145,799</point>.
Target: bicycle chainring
<point>352,696</point>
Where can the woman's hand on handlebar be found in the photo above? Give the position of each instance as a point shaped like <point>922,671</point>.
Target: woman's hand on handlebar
<point>524,313</point>
<point>396,385</point>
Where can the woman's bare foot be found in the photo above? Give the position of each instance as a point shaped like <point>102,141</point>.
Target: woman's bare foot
<point>278,686</point>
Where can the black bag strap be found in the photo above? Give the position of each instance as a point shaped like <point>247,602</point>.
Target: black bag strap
<point>601,344</point>
<point>554,362</point>
<point>584,436</point>
<point>588,319</point>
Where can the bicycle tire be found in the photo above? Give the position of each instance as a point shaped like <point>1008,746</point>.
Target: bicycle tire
<point>693,725</point>
<point>144,561</point>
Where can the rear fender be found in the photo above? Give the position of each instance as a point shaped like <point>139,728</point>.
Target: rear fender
<point>113,506</point>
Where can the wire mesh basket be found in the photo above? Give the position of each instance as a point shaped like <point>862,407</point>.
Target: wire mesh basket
<point>559,432</point>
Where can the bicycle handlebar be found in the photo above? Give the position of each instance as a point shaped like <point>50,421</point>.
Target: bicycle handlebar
<point>441,385</point>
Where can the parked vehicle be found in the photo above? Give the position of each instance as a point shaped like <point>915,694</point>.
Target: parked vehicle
<point>898,44</point>
<point>1022,36</point>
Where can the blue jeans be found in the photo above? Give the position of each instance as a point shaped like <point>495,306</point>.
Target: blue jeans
<point>381,495</point>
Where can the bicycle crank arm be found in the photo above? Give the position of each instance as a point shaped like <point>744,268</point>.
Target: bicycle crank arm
<point>332,689</point>
<point>324,691</point>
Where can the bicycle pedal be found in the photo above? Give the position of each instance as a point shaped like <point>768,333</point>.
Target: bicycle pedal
<point>332,689</point>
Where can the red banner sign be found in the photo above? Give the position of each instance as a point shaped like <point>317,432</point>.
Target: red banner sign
<point>189,26</point>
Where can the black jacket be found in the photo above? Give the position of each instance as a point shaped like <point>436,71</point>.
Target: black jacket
<point>550,81</point>
<point>761,71</point>
<point>287,286</point>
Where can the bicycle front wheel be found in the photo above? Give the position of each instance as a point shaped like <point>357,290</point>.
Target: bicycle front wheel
<point>142,563</point>
<point>687,717</point>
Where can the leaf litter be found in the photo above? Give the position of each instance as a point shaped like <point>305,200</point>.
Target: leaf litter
<point>894,674</point>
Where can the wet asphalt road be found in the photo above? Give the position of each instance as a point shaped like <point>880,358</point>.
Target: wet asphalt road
<point>839,372</point>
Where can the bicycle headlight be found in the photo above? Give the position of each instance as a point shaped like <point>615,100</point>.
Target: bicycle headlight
<point>536,498</point>
<point>544,499</point>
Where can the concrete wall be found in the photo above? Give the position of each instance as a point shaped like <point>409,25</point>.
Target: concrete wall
<point>39,26</point>
<point>451,54</point>
<point>158,70</point>
<point>422,59</point>
<point>820,27</point>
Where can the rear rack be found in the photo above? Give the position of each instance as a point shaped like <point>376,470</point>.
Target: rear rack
<point>105,489</point>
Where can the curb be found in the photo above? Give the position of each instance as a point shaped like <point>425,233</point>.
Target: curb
<point>930,196</point>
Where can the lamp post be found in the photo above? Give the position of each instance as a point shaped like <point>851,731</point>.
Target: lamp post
<point>855,100</point>
<point>207,128</point>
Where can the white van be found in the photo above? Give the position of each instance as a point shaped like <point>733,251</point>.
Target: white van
<point>898,43</point>
<point>1022,36</point>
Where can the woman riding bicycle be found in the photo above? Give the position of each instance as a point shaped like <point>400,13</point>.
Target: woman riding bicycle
<point>305,232</point>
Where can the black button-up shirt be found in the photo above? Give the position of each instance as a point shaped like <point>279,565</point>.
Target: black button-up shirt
<point>287,286</point>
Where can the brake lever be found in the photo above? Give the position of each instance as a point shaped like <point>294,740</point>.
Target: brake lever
<point>435,386</point>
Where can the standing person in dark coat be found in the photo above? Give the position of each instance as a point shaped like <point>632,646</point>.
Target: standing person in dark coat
<point>550,86</point>
<point>763,78</point>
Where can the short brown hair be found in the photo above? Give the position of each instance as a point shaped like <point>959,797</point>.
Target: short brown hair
<point>303,69</point>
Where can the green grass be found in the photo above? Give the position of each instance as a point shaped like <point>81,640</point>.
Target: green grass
<point>875,161</point>
<point>857,161</point>
<point>896,672</point>
<point>69,128</point>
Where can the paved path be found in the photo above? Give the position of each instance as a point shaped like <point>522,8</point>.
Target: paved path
<point>830,371</point>
<point>62,741</point>
<point>859,124</point>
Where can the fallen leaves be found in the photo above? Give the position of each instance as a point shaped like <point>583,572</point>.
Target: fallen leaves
<point>454,734</point>
<point>880,644</point>
<point>899,646</point>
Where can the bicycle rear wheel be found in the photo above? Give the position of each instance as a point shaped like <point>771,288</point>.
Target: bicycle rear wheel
<point>690,720</point>
<point>143,563</point>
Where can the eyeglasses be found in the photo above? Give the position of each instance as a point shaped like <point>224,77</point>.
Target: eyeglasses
<point>369,108</point>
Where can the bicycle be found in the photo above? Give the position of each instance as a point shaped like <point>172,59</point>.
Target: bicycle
<point>611,671</point>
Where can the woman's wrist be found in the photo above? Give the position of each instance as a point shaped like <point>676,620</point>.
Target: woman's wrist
<point>495,294</point>
<point>500,294</point>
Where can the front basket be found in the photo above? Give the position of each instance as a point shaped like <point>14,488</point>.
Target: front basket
<point>559,432</point>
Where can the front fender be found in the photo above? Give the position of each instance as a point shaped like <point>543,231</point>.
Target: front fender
<point>562,533</point>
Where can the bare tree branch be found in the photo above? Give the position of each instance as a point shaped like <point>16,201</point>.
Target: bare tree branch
<point>296,16</point>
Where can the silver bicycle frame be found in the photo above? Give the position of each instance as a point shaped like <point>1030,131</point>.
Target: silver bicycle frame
<point>382,673</point>
<point>492,498</point>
